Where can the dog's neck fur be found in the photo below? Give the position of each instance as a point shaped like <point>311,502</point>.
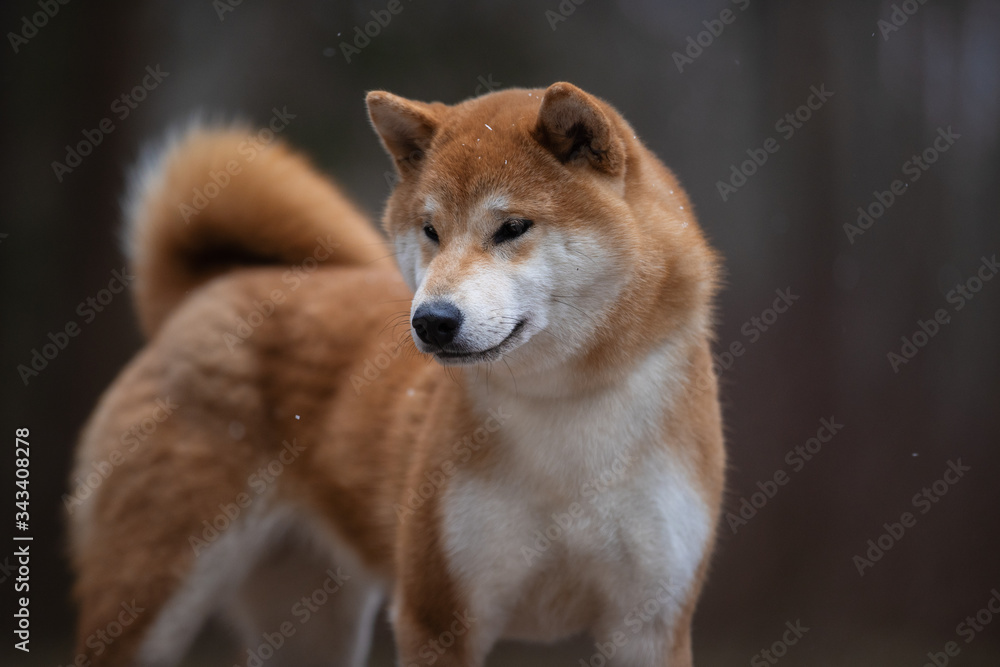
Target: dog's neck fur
<point>567,428</point>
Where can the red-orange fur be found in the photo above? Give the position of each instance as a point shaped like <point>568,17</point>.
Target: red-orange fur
<point>292,377</point>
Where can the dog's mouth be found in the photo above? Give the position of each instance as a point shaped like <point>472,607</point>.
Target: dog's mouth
<point>461,357</point>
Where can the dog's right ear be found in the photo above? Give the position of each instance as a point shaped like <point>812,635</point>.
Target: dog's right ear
<point>406,127</point>
<point>573,127</point>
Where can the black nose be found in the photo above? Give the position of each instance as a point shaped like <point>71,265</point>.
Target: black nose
<point>437,323</point>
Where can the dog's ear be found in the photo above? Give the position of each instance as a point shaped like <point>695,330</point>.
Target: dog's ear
<point>406,127</point>
<point>572,125</point>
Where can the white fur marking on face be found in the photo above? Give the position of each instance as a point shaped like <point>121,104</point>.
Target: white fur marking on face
<point>563,287</point>
<point>495,203</point>
<point>430,207</point>
<point>409,258</point>
<point>486,295</point>
<point>494,296</point>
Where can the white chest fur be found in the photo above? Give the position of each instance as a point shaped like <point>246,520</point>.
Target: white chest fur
<point>589,513</point>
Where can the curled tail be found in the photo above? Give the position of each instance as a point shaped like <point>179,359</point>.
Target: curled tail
<point>217,199</point>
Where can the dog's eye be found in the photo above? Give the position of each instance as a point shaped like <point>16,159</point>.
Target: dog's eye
<point>431,233</point>
<point>511,229</point>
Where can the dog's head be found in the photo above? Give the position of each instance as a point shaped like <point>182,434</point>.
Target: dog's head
<point>510,221</point>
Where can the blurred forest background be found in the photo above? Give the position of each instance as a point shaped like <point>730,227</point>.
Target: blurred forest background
<point>898,73</point>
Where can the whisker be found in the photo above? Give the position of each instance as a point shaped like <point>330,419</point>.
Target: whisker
<point>577,252</point>
<point>514,379</point>
<point>569,305</point>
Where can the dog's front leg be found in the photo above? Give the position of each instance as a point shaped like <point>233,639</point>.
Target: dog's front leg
<point>655,646</point>
<point>652,631</point>
<point>436,631</point>
<point>434,620</point>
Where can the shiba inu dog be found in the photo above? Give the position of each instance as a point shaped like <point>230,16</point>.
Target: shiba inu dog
<point>514,434</point>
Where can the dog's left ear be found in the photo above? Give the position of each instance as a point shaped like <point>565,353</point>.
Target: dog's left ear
<point>406,127</point>
<point>572,125</point>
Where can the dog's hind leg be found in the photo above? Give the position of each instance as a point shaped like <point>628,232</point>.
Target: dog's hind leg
<point>307,604</point>
<point>169,531</point>
<point>213,580</point>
